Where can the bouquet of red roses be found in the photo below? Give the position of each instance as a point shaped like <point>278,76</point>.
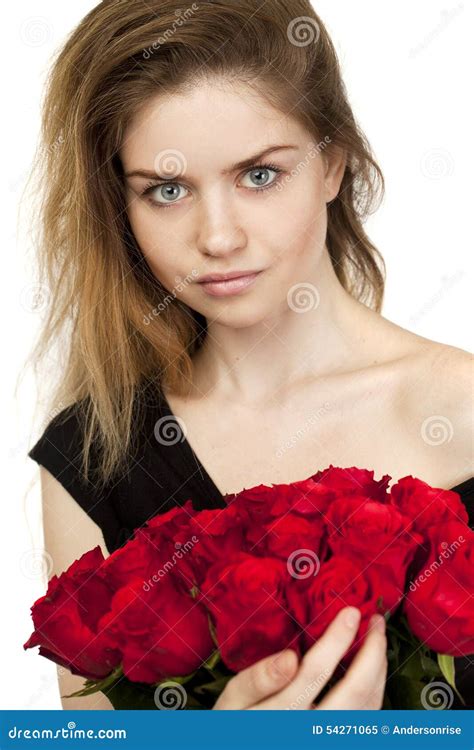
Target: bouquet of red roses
<point>195,596</point>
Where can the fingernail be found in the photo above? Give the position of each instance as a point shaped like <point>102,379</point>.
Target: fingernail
<point>377,622</point>
<point>352,616</point>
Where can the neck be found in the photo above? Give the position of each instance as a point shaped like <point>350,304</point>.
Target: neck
<point>253,362</point>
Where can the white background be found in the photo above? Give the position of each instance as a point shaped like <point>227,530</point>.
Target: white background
<point>406,67</point>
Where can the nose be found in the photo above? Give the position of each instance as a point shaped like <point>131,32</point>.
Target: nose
<point>220,231</point>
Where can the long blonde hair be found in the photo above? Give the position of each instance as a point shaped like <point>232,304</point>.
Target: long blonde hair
<point>100,290</point>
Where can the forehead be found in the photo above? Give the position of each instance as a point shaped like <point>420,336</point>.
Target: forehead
<point>211,127</point>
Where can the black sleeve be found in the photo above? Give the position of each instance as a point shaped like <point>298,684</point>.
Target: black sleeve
<point>59,450</point>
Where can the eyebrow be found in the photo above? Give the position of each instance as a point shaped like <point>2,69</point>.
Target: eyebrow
<point>251,160</point>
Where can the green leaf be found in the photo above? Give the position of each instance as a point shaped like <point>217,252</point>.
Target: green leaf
<point>181,679</point>
<point>213,660</point>
<point>448,669</point>
<point>93,686</point>
<point>403,693</point>
<point>127,695</point>
<point>213,688</point>
<point>212,630</point>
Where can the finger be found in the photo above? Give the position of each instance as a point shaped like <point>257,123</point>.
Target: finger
<point>319,663</point>
<point>262,679</point>
<point>363,685</point>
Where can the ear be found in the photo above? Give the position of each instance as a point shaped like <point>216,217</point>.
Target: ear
<point>334,161</point>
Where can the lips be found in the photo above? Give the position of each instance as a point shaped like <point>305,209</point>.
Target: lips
<point>226,276</point>
<point>230,286</point>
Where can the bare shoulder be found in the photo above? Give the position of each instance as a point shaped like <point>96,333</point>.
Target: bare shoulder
<point>442,375</point>
<point>437,387</point>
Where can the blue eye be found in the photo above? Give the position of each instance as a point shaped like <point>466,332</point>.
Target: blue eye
<point>260,170</point>
<point>168,190</point>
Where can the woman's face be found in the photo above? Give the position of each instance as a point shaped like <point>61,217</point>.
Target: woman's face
<point>203,212</point>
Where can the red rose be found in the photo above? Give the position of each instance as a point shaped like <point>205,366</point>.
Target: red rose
<point>261,503</point>
<point>165,526</point>
<point>217,534</point>
<point>285,534</point>
<point>354,481</point>
<point>167,542</point>
<point>370,531</point>
<point>440,602</point>
<point>340,582</point>
<point>254,504</point>
<point>246,600</point>
<point>130,562</point>
<point>161,632</point>
<point>66,619</point>
<point>427,505</point>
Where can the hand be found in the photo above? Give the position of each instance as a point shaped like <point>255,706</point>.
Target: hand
<point>279,682</point>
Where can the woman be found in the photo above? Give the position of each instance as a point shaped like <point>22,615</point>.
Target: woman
<point>182,148</point>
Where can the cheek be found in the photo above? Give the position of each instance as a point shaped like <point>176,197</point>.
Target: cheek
<point>156,245</point>
<point>299,227</point>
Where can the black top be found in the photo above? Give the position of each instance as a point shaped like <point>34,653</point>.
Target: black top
<point>163,473</point>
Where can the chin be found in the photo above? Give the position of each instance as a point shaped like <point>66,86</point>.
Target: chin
<point>239,318</point>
